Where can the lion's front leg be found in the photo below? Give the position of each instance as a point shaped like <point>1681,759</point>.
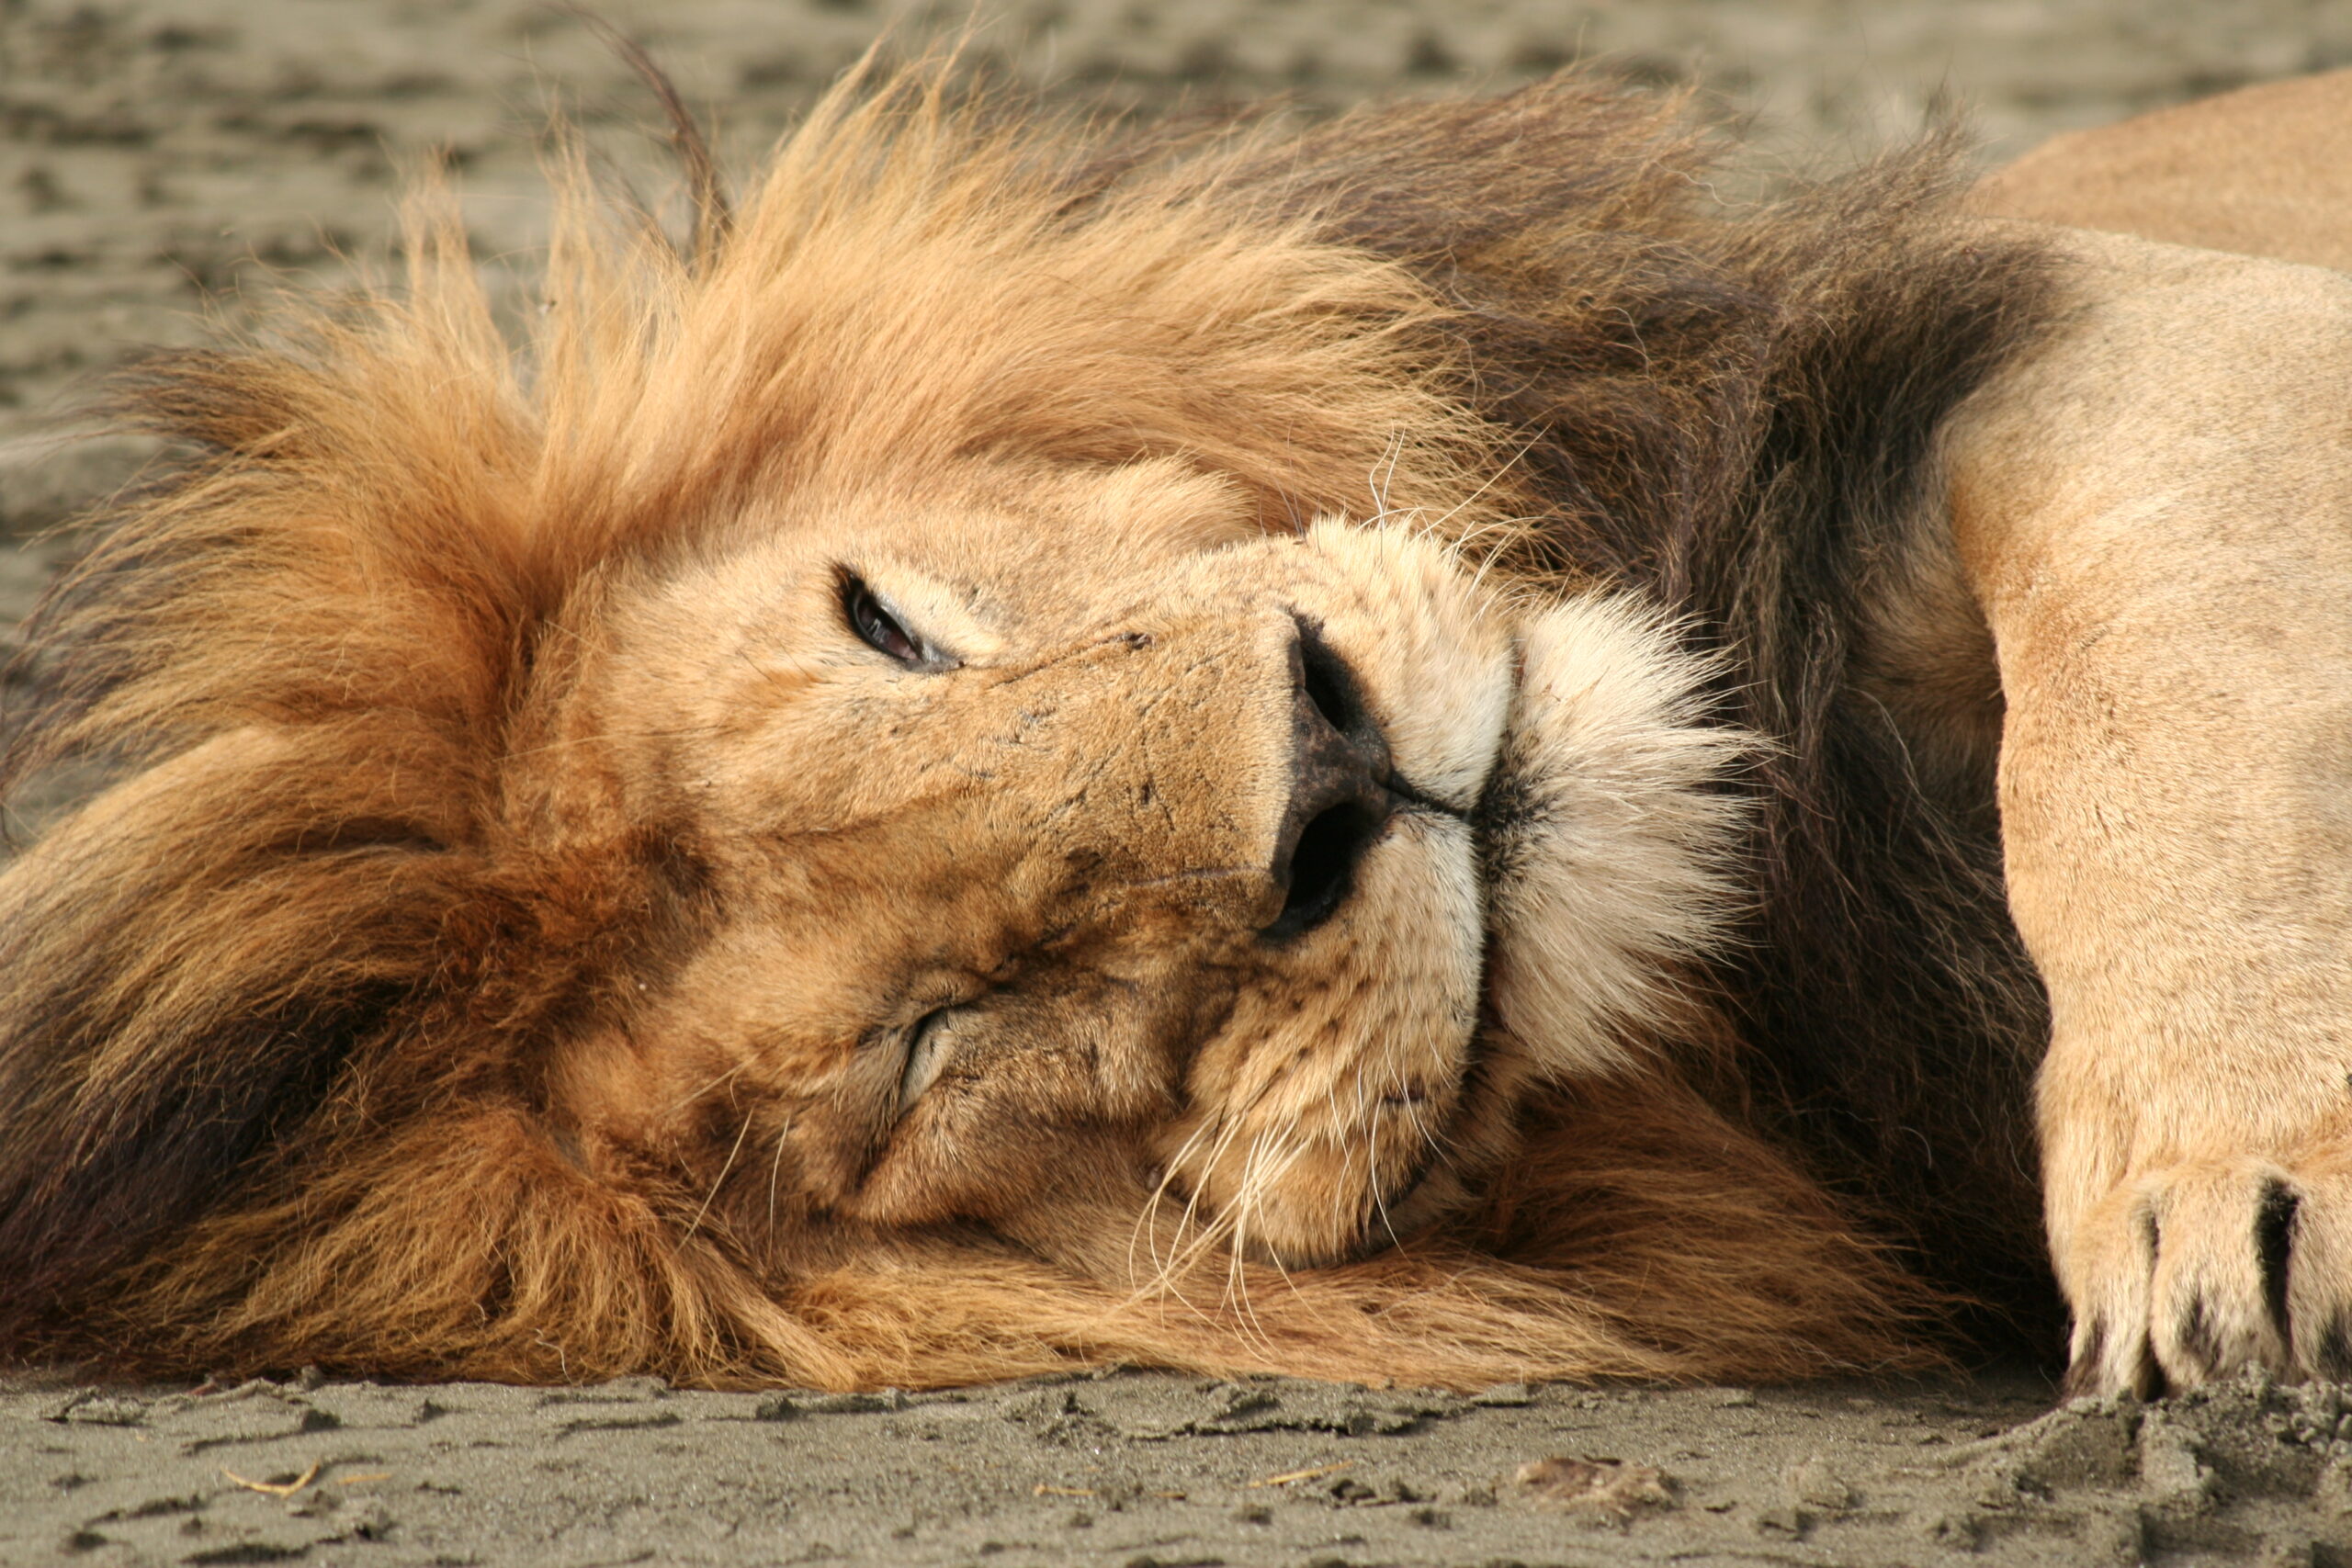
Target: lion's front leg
<point>2155,513</point>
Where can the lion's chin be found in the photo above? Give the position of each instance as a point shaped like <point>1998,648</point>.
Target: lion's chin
<point>1606,840</point>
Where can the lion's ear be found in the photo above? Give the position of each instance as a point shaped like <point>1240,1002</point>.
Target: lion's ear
<point>195,964</point>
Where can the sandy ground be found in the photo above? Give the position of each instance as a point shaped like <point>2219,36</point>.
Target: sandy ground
<point>161,163</point>
<point>1152,1471</point>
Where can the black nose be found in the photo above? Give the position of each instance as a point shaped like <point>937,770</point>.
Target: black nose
<point>1338,802</point>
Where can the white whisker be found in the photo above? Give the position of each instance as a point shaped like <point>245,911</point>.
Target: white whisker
<point>720,1179</point>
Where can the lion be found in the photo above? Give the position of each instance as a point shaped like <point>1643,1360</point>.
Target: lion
<point>1402,750</point>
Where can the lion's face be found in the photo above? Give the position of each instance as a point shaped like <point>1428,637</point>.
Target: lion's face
<point>1046,842</point>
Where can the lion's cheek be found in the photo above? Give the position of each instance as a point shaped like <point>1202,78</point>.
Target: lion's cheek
<point>972,1151</point>
<point>1332,1085</point>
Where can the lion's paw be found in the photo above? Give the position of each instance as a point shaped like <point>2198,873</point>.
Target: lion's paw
<point>2199,1271</point>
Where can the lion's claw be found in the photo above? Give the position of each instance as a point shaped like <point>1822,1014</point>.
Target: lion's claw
<point>2203,1269</point>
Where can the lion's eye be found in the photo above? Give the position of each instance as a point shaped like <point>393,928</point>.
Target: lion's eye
<point>929,1044</point>
<point>876,627</point>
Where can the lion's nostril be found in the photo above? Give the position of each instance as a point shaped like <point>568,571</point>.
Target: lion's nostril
<point>1323,866</point>
<point>1329,685</point>
<point>1338,803</point>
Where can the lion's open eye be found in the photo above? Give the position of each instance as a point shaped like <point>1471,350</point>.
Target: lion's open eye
<point>876,627</point>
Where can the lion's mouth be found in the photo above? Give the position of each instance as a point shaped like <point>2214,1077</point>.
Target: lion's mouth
<point>1606,837</point>
<point>1421,800</point>
<point>1497,818</point>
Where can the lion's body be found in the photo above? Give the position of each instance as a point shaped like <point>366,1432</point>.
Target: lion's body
<point>847,829</point>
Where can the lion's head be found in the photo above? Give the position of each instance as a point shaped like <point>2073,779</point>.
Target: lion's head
<point>922,778</point>
<point>1051,838</point>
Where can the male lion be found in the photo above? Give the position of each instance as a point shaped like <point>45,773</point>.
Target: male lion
<point>1388,752</point>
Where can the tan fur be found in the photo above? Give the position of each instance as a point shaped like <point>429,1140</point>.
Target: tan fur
<point>2265,171</point>
<point>2165,577</point>
<point>2153,511</point>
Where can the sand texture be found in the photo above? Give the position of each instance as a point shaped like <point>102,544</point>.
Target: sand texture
<point>1148,1470</point>
<point>163,166</point>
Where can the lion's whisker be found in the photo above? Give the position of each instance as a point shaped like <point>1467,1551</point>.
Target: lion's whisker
<point>1181,1254</point>
<point>775,1170</point>
<point>686,1099</point>
<point>720,1179</point>
<point>1381,483</point>
<point>1237,1270</point>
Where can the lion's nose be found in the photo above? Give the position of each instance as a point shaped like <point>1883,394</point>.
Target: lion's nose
<point>1339,800</point>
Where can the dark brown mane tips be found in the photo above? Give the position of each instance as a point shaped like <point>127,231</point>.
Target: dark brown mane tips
<point>705,185</point>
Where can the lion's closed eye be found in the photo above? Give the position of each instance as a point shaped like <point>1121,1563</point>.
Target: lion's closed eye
<point>930,1045</point>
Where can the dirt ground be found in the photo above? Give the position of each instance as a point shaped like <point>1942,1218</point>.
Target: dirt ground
<point>1152,1471</point>
<point>161,163</point>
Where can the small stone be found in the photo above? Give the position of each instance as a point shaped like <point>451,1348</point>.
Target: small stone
<point>1814,1484</point>
<point>1607,1490</point>
<point>1505,1396</point>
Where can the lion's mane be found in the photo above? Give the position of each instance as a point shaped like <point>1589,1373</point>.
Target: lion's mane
<point>279,1004</point>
